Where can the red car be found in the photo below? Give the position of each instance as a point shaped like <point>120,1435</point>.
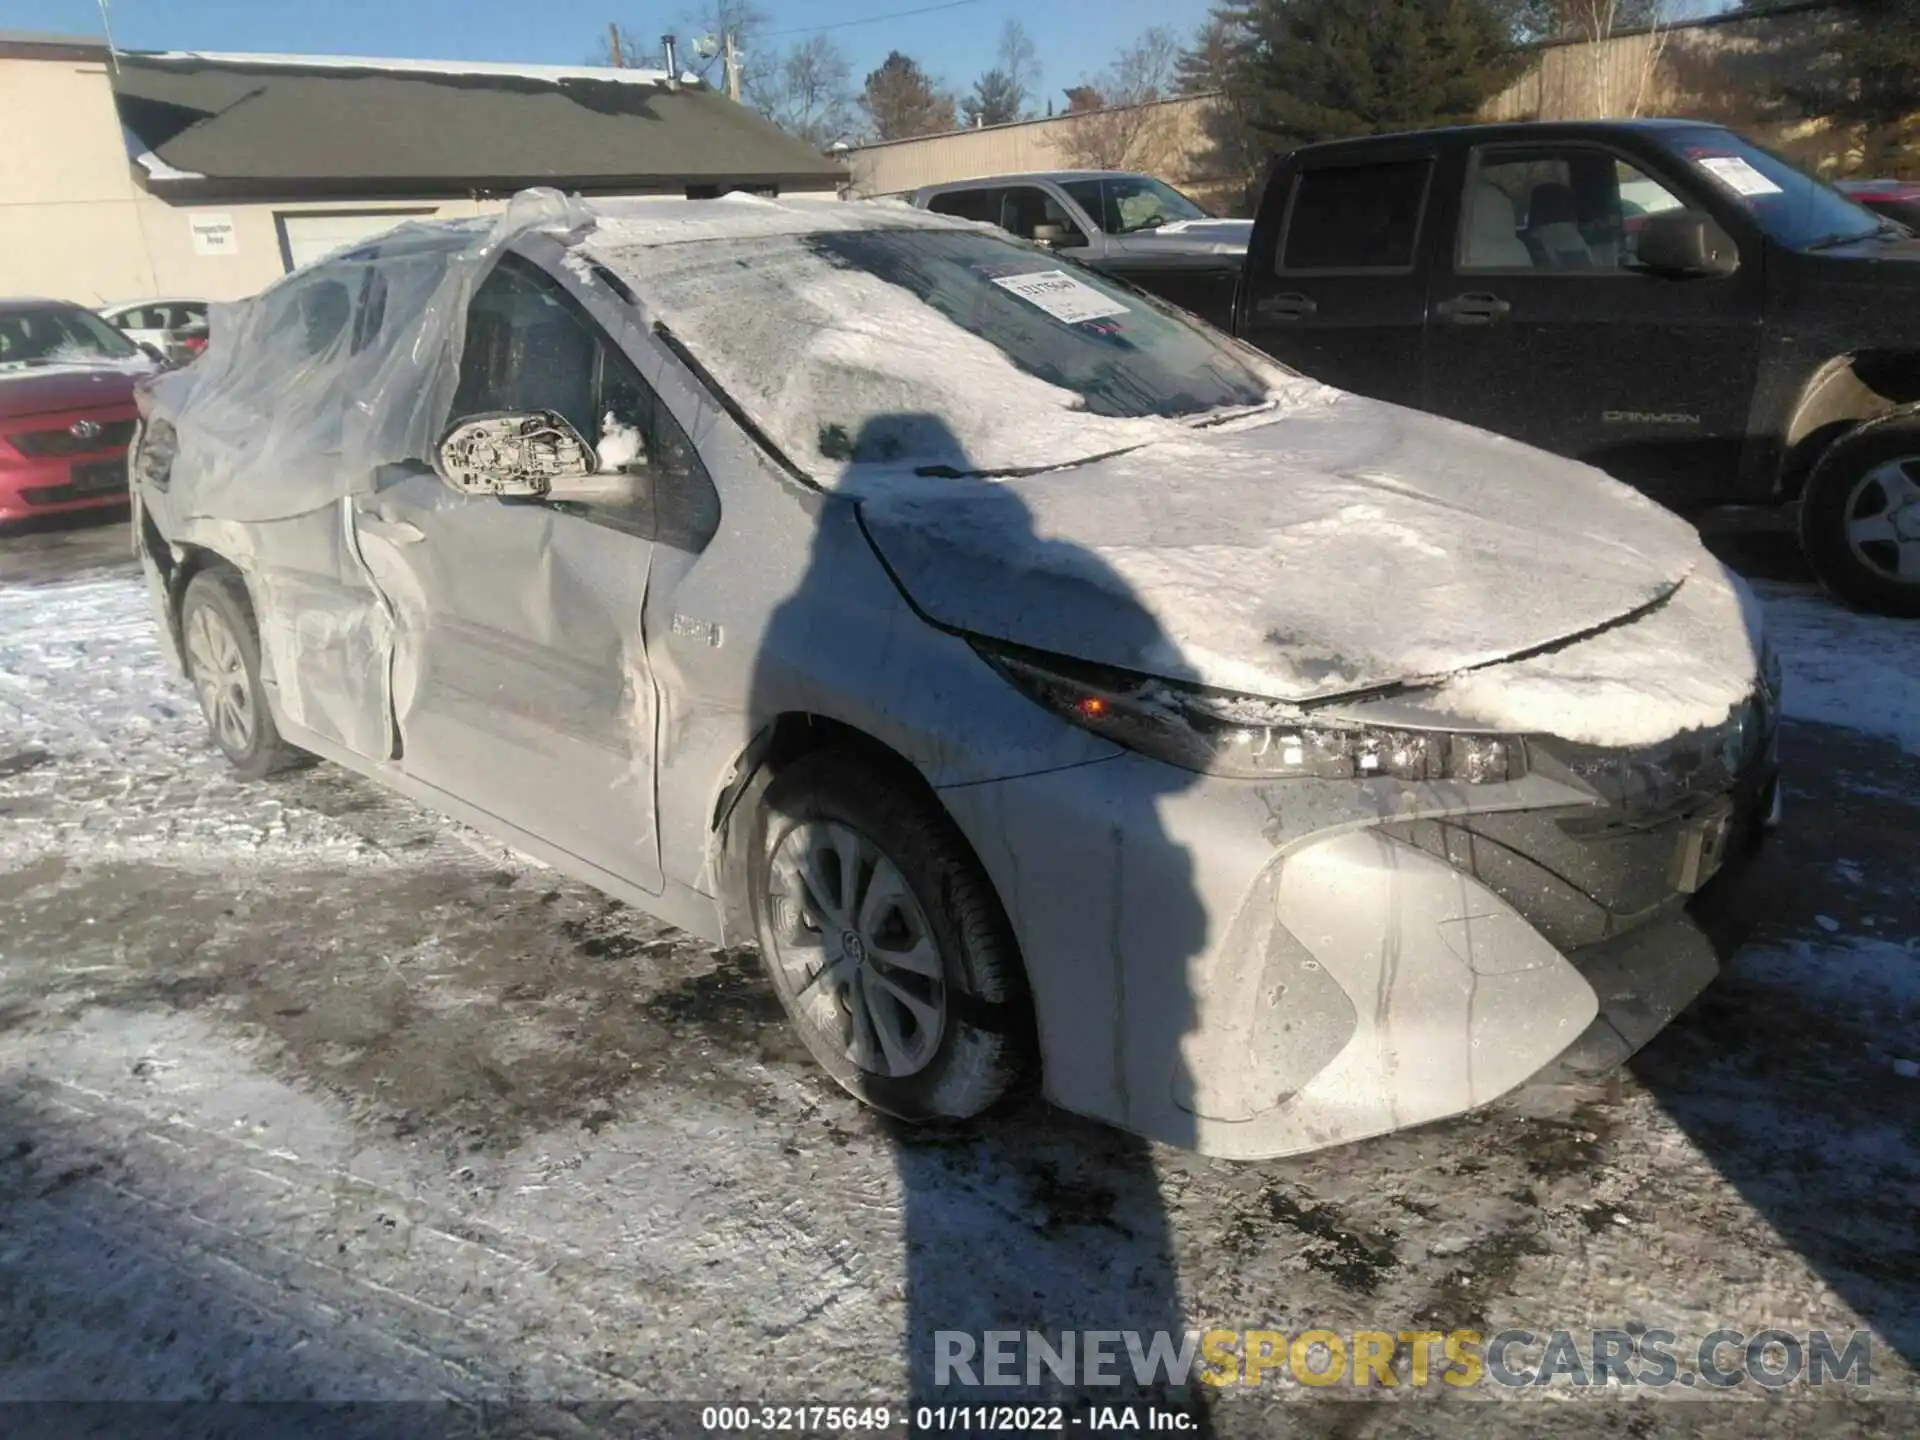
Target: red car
<point>66,409</point>
<point>1896,199</point>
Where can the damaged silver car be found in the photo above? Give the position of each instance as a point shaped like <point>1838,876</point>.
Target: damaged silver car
<point>1050,687</point>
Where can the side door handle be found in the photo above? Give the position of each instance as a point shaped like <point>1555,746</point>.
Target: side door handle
<point>1291,306</point>
<point>1477,308</point>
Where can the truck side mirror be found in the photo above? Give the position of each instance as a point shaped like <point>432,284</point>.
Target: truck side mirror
<point>1058,237</point>
<point>1684,242</point>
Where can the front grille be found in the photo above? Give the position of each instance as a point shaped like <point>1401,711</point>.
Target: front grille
<point>1585,874</point>
<point>37,443</point>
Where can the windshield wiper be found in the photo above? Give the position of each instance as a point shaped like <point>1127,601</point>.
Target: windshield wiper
<point>953,472</point>
<point>1831,242</point>
<point>1226,415</point>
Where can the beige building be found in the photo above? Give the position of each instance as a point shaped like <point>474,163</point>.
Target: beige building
<point>1167,138</point>
<point>128,175</point>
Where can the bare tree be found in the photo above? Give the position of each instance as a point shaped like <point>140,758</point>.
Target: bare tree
<point>810,93</point>
<point>1019,62</point>
<point>1625,43</point>
<point>1118,128</point>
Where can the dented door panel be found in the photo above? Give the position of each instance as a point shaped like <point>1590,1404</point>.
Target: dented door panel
<point>519,678</point>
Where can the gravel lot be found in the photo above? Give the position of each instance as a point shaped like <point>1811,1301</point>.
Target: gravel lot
<point>306,1093</point>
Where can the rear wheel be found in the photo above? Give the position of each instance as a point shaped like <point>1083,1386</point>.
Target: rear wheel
<point>885,941</point>
<point>223,662</point>
<point>1860,518</point>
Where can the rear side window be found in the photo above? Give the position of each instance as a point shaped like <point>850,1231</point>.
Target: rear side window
<point>968,205</point>
<point>1356,217</point>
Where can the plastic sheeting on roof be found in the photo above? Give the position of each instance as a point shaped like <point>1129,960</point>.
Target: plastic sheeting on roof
<point>306,390</point>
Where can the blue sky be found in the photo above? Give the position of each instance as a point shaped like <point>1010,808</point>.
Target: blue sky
<point>1074,37</point>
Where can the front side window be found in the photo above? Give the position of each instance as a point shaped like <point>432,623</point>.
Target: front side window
<point>1356,217</point>
<point>1032,213</point>
<point>939,350</point>
<point>1125,204</point>
<point>530,347</point>
<point>1556,209</point>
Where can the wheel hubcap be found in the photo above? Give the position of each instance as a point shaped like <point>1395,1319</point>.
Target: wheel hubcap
<point>855,950</point>
<point>1883,519</point>
<point>219,672</point>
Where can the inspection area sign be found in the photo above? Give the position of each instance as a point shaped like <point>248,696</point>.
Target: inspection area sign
<point>213,234</point>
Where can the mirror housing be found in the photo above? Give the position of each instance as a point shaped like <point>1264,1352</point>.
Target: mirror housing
<point>513,453</point>
<point>1684,242</point>
<point>1057,237</point>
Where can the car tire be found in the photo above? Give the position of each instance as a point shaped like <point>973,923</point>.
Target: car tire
<point>221,647</point>
<point>907,988</point>
<point>1862,496</point>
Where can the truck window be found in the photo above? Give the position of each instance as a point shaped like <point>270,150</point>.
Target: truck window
<point>1356,217</point>
<point>1027,207</point>
<point>1575,209</point>
<point>968,205</point>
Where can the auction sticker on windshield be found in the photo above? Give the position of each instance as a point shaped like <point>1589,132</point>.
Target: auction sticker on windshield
<point>1737,173</point>
<point>1066,299</point>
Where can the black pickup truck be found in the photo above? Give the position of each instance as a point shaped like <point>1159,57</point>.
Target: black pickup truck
<point>1661,298</point>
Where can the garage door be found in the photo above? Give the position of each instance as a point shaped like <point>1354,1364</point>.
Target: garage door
<point>305,238</point>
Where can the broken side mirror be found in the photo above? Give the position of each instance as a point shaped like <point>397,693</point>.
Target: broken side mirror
<point>1684,242</point>
<point>520,454</point>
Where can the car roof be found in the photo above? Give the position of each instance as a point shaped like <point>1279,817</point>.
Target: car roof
<point>1024,176</point>
<point>153,300</point>
<point>1509,130</point>
<point>36,302</point>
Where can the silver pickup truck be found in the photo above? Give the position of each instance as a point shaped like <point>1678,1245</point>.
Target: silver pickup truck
<point>1134,227</point>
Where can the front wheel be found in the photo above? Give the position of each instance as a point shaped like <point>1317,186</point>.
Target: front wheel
<point>885,941</point>
<point>223,662</point>
<point>1860,518</point>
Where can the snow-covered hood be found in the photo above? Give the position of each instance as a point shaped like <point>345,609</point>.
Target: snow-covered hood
<point>1338,548</point>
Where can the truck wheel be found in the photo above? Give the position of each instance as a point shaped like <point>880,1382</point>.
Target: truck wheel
<point>1860,518</point>
<point>223,662</point>
<point>885,941</point>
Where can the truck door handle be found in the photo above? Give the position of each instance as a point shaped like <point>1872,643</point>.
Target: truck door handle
<point>1291,306</point>
<point>1478,308</point>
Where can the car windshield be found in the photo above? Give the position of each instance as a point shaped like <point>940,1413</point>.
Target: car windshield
<point>1123,204</point>
<point>942,350</point>
<point>33,336</point>
<point>1790,205</point>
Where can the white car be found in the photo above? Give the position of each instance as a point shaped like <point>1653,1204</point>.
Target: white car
<point>176,328</point>
<point>1043,679</point>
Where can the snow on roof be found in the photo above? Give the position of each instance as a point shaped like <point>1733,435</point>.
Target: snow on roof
<point>644,223</point>
<point>554,73</point>
<point>159,169</point>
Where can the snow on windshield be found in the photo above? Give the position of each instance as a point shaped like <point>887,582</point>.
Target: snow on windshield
<point>944,348</point>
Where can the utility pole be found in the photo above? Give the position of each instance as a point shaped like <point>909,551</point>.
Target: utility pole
<point>732,62</point>
<point>613,44</point>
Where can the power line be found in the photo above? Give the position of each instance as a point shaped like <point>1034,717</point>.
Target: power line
<point>869,20</point>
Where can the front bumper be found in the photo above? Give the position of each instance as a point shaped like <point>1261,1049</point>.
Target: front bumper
<point>58,485</point>
<point>1259,970</point>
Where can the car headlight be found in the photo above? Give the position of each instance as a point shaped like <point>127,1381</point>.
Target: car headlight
<point>1222,733</point>
<point>151,456</point>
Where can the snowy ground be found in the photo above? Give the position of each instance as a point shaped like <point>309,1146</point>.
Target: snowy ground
<point>307,1093</point>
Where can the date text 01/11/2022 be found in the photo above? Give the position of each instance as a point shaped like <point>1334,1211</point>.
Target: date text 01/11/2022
<point>958,1419</point>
